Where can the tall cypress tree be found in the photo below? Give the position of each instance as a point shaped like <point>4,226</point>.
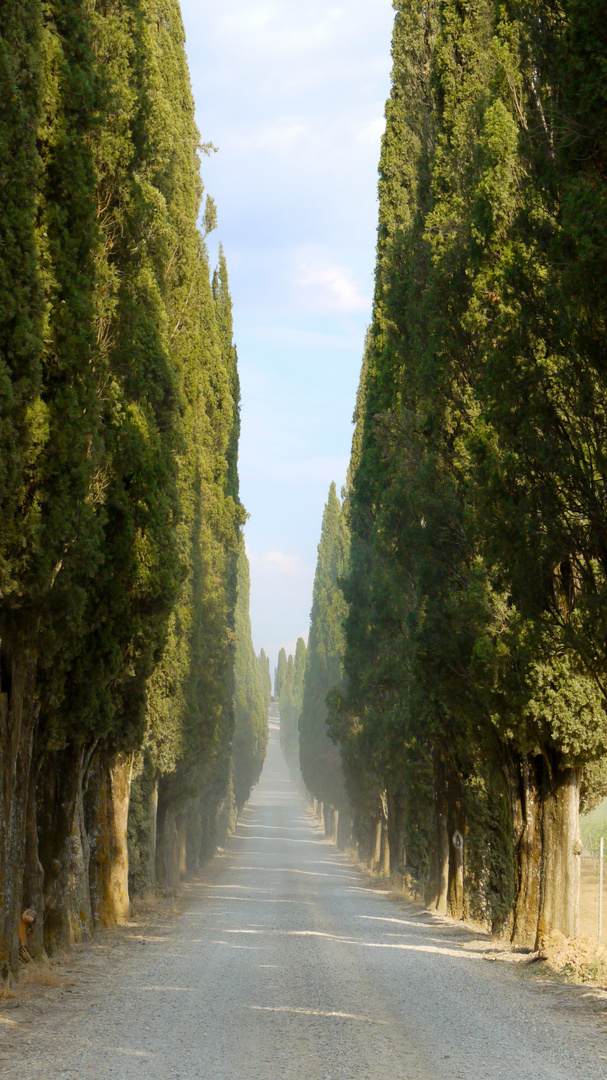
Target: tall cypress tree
<point>119,415</point>
<point>319,758</point>
<point>469,588</point>
<point>266,678</point>
<point>288,688</point>
<point>251,715</point>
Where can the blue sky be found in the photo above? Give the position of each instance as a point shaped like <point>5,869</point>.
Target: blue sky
<point>292,93</point>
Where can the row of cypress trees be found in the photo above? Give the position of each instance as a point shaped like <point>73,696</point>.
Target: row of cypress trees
<point>472,717</point>
<point>120,549</point>
<point>288,690</point>
<point>319,758</point>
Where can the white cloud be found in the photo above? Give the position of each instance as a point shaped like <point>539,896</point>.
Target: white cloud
<point>332,287</point>
<point>279,562</point>
<point>279,29</point>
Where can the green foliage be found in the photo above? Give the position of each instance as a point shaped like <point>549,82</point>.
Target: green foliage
<point>119,406</point>
<point>23,418</point>
<point>477,574</point>
<point>266,678</point>
<point>288,689</point>
<point>319,759</point>
<point>251,713</point>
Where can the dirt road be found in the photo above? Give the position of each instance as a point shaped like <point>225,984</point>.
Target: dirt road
<point>288,965</point>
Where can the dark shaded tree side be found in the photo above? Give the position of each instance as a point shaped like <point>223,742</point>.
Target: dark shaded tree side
<point>118,425</point>
<point>319,758</point>
<point>473,707</point>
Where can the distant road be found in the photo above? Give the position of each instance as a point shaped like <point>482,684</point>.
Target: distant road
<point>289,966</point>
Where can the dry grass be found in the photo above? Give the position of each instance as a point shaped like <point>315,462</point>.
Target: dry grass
<point>150,906</point>
<point>581,960</point>
<point>41,973</point>
<point>33,976</point>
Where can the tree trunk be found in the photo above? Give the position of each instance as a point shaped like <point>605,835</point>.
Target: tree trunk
<point>384,861</point>
<point>439,887</point>
<point>396,839</point>
<point>18,717</point>
<point>107,819</point>
<point>344,830</point>
<point>33,877</point>
<point>160,835</point>
<point>456,828</point>
<point>335,831</point>
<point>376,849</point>
<point>526,806</point>
<point>194,833</point>
<point>182,862</point>
<point>121,773</point>
<point>64,848</point>
<point>561,850</point>
<point>153,814</point>
<point>171,852</point>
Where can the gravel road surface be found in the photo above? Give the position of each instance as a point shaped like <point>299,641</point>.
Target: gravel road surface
<point>287,964</point>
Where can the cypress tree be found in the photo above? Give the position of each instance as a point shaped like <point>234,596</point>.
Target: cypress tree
<point>22,432</point>
<point>288,688</point>
<point>470,586</point>
<point>319,758</point>
<point>251,715</point>
<point>266,678</point>
<point>43,606</point>
<point>119,418</point>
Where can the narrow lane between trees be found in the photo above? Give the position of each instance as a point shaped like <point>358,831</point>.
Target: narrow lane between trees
<point>289,965</point>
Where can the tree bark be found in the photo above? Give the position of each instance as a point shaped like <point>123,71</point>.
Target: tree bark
<point>456,829</point>
<point>107,819</point>
<point>396,839</point>
<point>33,876</point>
<point>344,830</point>
<point>437,895</point>
<point>384,860</point>
<point>18,717</point>
<point>171,852</point>
<point>159,861</point>
<point>375,853</point>
<point>121,773</point>
<point>64,848</point>
<point>153,814</point>
<point>526,810</point>
<point>561,850</point>
<point>182,859</point>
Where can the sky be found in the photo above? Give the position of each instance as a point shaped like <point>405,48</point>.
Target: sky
<point>292,94</point>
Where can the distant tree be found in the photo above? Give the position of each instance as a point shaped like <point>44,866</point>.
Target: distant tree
<point>251,714</point>
<point>319,758</point>
<point>280,674</point>
<point>264,666</point>
<point>288,688</point>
